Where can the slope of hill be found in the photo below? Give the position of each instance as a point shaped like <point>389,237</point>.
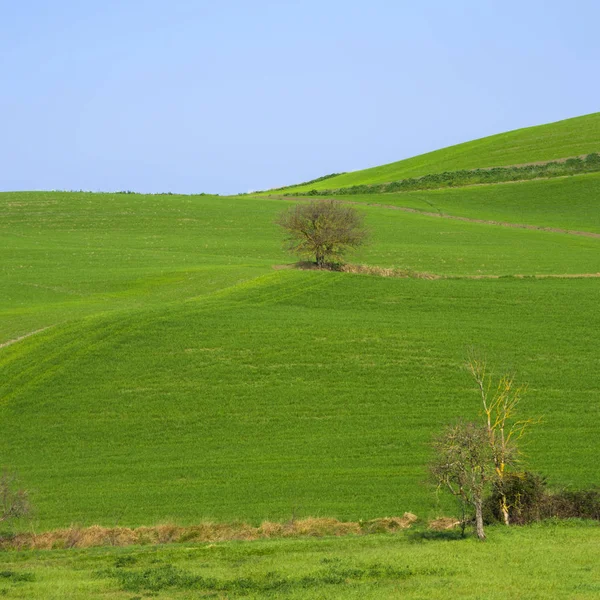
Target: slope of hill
<point>181,378</point>
<point>314,393</point>
<point>571,203</point>
<point>570,137</point>
<point>65,256</point>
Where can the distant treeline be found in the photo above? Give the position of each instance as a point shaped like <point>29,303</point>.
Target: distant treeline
<point>570,166</point>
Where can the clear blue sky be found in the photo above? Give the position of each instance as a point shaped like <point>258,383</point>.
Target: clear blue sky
<point>229,96</point>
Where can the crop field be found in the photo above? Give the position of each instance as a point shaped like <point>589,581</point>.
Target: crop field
<point>175,375</point>
<point>263,337</point>
<point>568,138</point>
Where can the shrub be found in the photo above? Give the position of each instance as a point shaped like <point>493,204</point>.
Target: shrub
<point>464,177</point>
<point>525,495</point>
<point>323,229</point>
<point>581,504</point>
<point>530,501</point>
<point>14,502</point>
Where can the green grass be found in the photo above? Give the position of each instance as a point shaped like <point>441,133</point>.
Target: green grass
<point>448,247</point>
<point>65,256</point>
<point>570,203</point>
<point>182,378</point>
<point>544,562</point>
<point>314,393</point>
<point>571,137</point>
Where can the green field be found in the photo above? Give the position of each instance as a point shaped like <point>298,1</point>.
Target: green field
<point>182,378</point>
<point>161,360</point>
<point>571,137</point>
<point>569,203</point>
<point>65,256</point>
<point>546,562</point>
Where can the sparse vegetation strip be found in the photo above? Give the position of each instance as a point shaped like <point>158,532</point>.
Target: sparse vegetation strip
<point>155,579</point>
<point>466,177</point>
<point>410,274</point>
<point>95,536</point>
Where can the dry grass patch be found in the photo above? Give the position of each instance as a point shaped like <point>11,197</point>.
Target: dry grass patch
<point>95,536</point>
<point>443,523</point>
<point>361,269</point>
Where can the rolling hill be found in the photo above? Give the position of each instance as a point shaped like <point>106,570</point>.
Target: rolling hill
<point>542,143</point>
<point>155,366</point>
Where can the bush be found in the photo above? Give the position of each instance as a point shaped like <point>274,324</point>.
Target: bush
<point>529,501</point>
<point>323,229</point>
<point>14,502</point>
<point>574,163</point>
<point>525,495</point>
<point>581,504</point>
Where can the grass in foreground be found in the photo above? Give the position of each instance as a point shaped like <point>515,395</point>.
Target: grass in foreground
<point>545,561</point>
<point>313,393</point>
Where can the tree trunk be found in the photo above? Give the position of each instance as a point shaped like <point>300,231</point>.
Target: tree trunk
<point>479,520</point>
<point>504,509</point>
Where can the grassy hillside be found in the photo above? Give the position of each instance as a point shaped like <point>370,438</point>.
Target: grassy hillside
<point>571,137</point>
<point>182,378</point>
<point>306,393</point>
<point>569,203</point>
<point>64,256</point>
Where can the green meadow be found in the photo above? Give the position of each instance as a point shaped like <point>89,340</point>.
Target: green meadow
<point>295,393</point>
<point>178,376</point>
<point>543,562</point>
<point>568,138</point>
<point>162,361</point>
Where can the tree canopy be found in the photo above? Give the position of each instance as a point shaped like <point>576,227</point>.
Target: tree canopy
<point>323,230</point>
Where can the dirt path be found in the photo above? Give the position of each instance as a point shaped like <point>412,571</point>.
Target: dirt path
<point>10,342</point>
<point>441,215</point>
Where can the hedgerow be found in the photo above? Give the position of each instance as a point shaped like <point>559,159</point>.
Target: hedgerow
<point>570,166</point>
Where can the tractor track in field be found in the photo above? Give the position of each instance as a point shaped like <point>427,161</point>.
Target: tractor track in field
<point>11,342</point>
<point>441,215</point>
<point>542,276</point>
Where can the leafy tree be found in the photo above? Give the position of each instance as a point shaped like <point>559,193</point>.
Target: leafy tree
<point>323,229</point>
<point>500,401</point>
<point>464,466</point>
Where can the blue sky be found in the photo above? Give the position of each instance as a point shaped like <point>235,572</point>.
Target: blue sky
<point>230,96</point>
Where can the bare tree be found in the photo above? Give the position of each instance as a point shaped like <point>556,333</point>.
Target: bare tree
<point>14,503</point>
<point>463,465</point>
<point>323,229</point>
<point>504,430</point>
